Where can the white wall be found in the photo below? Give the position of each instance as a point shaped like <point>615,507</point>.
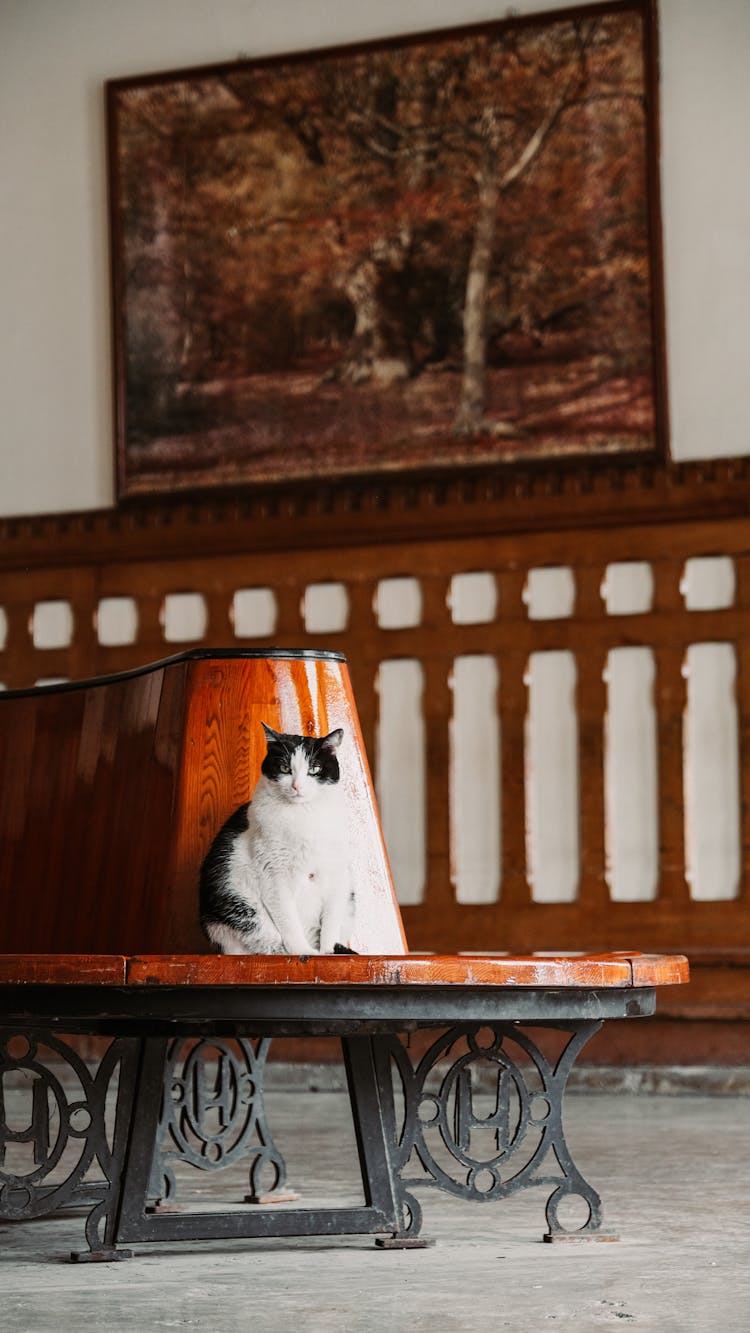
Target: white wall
<point>55,429</point>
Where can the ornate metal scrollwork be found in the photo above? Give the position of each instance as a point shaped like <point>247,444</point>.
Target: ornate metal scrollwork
<point>514,1141</point>
<point>55,1145</point>
<point>213,1113</point>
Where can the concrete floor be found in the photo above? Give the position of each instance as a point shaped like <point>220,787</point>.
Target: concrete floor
<point>673,1173</point>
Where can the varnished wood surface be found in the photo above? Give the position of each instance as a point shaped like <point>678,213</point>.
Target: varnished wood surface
<point>659,969</point>
<point>411,969</point>
<point>88,784</point>
<point>51,969</point>
<point>487,502</point>
<point>111,794</point>
<point>617,970</point>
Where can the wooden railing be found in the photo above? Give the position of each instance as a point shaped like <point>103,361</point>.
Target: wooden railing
<point>551,673</point>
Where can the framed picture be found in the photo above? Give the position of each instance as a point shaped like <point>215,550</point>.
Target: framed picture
<point>434,252</point>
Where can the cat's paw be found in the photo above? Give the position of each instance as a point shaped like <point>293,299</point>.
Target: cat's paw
<point>341,948</point>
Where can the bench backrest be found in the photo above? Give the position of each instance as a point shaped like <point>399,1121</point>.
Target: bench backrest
<point>112,791</point>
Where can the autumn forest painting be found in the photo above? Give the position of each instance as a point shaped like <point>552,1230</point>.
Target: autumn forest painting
<point>435,252</point>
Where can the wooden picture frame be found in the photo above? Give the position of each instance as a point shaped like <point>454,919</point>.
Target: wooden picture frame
<point>432,254</point>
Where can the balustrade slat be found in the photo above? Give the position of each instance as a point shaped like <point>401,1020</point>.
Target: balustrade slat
<point>515,890</point>
<point>667,572</point>
<point>361,608</point>
<point>19,653</point>
<point>364,663</point>
<point>742,603</point>
<point>435,595</point>
<point>149,634</point>
<point>439,896</point>
<point>364,685</point>
<point>591,704</point>
<point>289,628</point>
<point>591,701</point>
<point>511,582</point>
<point>513,704</point>
<point>218,619</point>
<point>743,708</point>
<point>671,698</point>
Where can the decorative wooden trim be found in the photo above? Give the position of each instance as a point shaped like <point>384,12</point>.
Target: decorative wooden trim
<point>392,510</point>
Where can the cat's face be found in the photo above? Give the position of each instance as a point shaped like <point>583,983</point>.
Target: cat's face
<point>301,767</point>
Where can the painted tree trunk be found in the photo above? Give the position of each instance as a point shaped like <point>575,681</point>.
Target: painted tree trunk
<point>473,401</point>
<point>378,347</point>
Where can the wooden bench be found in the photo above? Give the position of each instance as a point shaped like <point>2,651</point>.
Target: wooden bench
<point>110,793</point>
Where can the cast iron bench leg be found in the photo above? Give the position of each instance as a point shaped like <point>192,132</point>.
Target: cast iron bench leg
<point>372,1115</point>
<point>213,1113</point>
<point>136,1222</point>
<point>66,1105</point>
<point>520,1143</point>
<point>522,1138</point>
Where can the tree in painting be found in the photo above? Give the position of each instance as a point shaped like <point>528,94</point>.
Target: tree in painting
<point>428,252</point>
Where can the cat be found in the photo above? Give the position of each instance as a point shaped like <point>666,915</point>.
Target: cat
<point>276,878</point>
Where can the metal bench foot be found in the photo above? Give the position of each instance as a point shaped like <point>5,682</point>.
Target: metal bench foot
<point>99,1256</point>
<point>404,1242</point>
<point>578,1237</point>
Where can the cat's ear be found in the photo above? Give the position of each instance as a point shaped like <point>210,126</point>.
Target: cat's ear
<point>271,735</point>
<point>333,741</point>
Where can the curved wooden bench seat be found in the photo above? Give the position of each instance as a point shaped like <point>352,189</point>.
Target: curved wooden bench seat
<point>468,970</point>
<point>411,970</point>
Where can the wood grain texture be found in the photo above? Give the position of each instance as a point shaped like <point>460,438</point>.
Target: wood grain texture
<point>329,970</point>
<point>111,795</point>
<point>428,970</point>
<point>88,785</point>
<point>659,969</point>
<point>53,969</point>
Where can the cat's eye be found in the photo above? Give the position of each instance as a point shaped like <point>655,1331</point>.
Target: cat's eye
<point>313,770</point>
<point>285,766</point>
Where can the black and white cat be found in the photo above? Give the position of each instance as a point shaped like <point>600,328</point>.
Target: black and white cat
<point>276,878</point>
